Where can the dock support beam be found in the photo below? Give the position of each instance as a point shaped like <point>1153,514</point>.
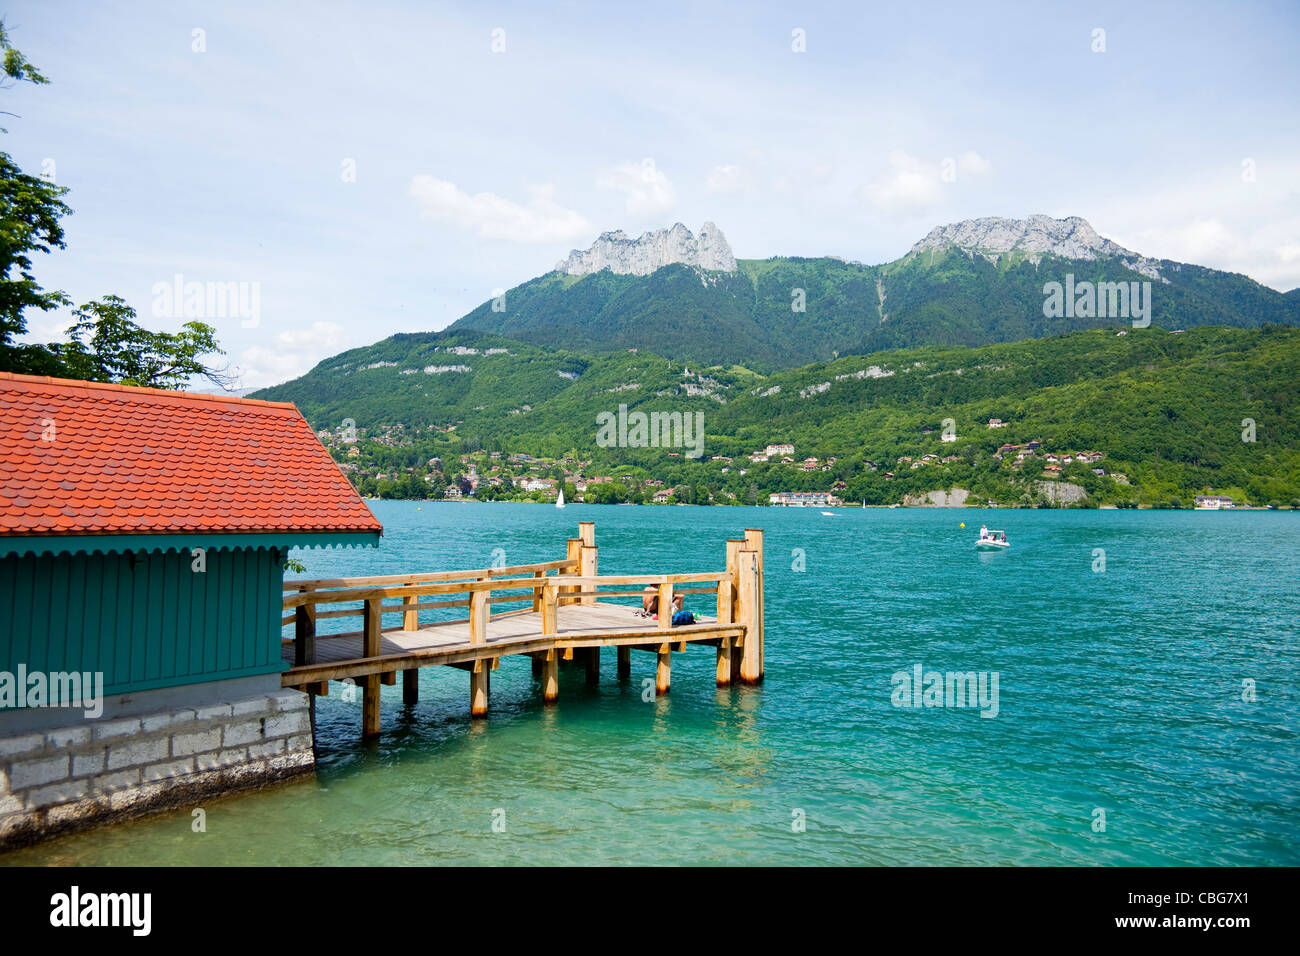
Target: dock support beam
<point>593,665</point>
<point>754,542</point>
<point>751,657</point>
<point>723,672</point>
<point>624,662</point>
<point>410,687</point>
<point>551,677</point>
<point>370,689</point>
<point>551,666</point>
<point>480,685</point>
<point>726,615</point>
<point>663,670</point>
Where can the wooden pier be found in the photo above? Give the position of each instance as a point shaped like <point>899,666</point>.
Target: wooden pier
<point>565,620</point>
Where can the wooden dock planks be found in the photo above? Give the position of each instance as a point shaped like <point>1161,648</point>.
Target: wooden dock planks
<point>567,621</point>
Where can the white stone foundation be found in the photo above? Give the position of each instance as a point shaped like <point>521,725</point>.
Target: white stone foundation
<point>92,772</point>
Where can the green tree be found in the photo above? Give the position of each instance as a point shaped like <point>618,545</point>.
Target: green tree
<point>30,210</point>
<point>108,346</point>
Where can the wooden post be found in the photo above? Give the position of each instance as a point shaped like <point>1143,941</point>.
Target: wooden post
<point>587,555</point>
<point>574,554</point>
<point>537,591</point>
<point>304,633</point>
<point>624,662</point>
<point>723,673</point>
<point>410,687</point>
<point>663,669</point>
<point>479,610</point>
<point>751,669</point>
<point>371,644</point>
<point>551,678</point>
<point>665,605</point>
<point>726,614</point>
<point>479,686</point>
<point>537,668</point>
<point>549,599</point>
<point>754,542</point>
<point>593,665</point>
<point>410,616</point>
<point>551,666</point>
<point>587,568</point>
<point>734,547</point>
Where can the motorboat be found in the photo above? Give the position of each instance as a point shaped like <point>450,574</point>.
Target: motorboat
<point>991,540</point>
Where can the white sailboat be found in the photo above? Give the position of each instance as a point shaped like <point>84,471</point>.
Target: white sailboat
<point>559,502</point>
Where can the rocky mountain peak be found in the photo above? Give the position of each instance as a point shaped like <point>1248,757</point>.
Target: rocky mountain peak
<point>651,251</point>
<point>1036,236</point>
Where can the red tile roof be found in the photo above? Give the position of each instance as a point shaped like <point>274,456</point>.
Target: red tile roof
<point>87,458</point>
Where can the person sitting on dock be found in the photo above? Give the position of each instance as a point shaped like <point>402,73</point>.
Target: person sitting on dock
<point>650,603</point>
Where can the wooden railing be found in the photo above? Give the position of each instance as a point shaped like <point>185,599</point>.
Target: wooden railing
<point>545,587</point>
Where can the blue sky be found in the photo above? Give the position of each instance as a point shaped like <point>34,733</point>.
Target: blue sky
<point>476,169</point>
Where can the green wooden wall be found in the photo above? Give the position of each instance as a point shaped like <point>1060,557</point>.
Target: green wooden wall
<point>154,623</point>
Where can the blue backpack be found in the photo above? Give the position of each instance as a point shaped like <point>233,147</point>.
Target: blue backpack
<point>683,617</point>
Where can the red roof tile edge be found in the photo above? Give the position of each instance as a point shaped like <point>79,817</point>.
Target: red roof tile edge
<point>139,390</point>
<point>288,408</point>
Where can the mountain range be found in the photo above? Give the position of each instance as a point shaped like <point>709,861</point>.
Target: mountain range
<point>877,356</point>
<point>969,283</point>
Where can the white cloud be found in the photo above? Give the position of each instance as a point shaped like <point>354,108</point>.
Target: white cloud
<point>910,184</point>
<point>294,354</point>
<point>727,179</point>
<point>541,219</point>
<point>914,184</point>
<point>973,163</point>
<point>1204,240</point>
<point>649,193</point>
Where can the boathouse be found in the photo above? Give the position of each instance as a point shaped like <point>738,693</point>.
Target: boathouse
<point>143,537</point>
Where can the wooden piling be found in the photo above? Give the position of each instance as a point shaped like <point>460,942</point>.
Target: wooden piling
<point>624,662</point>
<point>410,687</point>
<point>551,666</point>
<point>371,621</point>
<point>551,678</point>
<point>593,665</point>
<point>754,542</point>
<point>726,614</point>
<point>734,547</point>
<point>663,670</point>
<point>751,668</point>
<point>479,685</point>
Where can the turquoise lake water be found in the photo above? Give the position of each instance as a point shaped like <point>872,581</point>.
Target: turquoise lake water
<point>1119,690</point>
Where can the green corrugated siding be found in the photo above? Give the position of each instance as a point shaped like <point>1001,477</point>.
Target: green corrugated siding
<point>152,625</point>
